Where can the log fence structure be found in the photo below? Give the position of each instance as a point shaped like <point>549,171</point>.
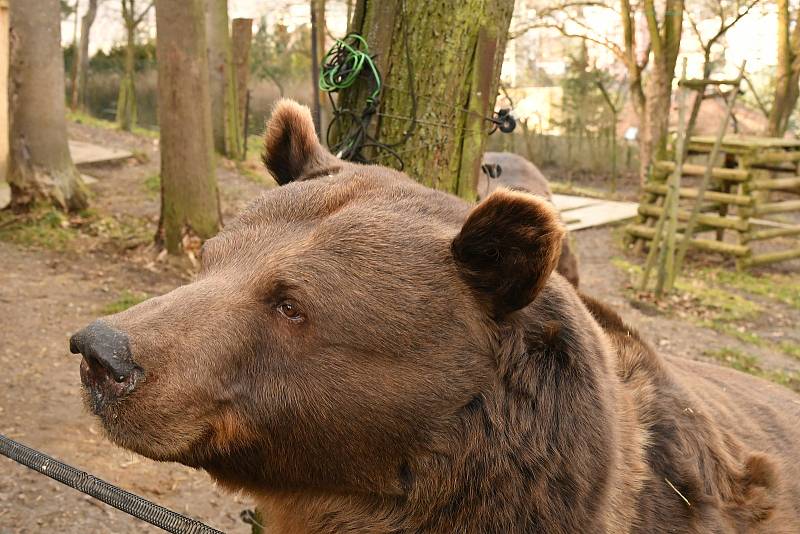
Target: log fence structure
<point>741,197</point>
<point>734,190</point>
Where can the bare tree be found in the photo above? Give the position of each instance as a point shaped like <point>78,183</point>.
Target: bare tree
<point>649,65</point>
<point>78,96</point>
<point>189,194</point>
<point>787,75</point>
<point>222,76</point>
<point>126,101</point>
<point>651,94</point>
<point>73,75</point>
<point>41,168</point>
<point>241,41</point>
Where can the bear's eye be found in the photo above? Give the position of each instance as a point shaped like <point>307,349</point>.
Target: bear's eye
<point>290,310</point>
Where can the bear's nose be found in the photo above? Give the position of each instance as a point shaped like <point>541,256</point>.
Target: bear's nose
<point>107,346</point>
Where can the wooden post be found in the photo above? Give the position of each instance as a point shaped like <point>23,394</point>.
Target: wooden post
<point>3,90</point>
<point>242,38</point>
<point>690,225</point>
<point>667,259</point>
<point>614,108</point>
<point>670,210</point>
<point>316,110</point>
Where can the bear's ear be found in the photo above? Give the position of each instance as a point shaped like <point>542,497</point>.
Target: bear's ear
<point>291,148</point>
<point>507,249</point>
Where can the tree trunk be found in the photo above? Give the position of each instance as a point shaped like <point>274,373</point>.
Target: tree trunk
<point>242,38</point>
<point>787,75</point>
<point>73,75</point>
<point>126,102</point>
<point>41,167</point>
<point>665,41</point>
<point>222,81</point>
<point>657,111</point>
<point>4,49</point>
<point>82,58</point>
<point>318,33</point>
<point>189,194</point>
<point>456,50</point>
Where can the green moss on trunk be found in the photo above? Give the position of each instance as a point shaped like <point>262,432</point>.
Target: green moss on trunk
<point>456,50</point>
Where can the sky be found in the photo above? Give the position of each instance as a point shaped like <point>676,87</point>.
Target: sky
<point>753,38</point>
<point>108,29</point>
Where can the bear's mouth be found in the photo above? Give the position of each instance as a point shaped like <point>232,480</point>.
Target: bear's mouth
<point>103,388</point>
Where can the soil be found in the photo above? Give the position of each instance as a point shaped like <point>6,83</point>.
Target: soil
<point>45,295</point>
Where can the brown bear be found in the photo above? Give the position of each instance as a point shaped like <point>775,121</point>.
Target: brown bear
<point>363,354</point>
<point>510,171</point>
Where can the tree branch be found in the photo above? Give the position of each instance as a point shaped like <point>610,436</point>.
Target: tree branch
<point>656,42</point>
<point>613,47</point>
<point>143,14</point>
<point>552,11</point>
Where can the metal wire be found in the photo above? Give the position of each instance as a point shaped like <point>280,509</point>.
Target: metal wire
<point>100,489</point>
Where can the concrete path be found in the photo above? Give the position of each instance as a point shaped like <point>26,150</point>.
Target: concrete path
<point>581,212</point>
<point>90,154</point>
<point>82,154</point>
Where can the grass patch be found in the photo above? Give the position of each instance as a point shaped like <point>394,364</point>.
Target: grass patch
<point>741,361</point>
<point>152,184</point>
<point>255,146</point>
<point>695,297</point>
<point>790,348</point>
<point>48,228</point>
<point>782,288</point>
<point>43,228</point>
<point>81,117</point>
<point>252,167</point>
<point>126,299</point>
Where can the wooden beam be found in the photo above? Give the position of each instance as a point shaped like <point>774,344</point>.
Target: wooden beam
<point>776,183</point>
<point>700,83</point>
<point>691,192</point>
<point>772,257</point>
<point>645,232</point>
<point>777,207</point>
<point>717,173</point>
<point>708,220</point>
<point>776,157</point>
<point>773,232</point>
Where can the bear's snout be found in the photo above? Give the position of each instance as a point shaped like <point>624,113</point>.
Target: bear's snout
<point>107,370</point>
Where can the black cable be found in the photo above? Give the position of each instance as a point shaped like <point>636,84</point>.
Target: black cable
<point>120,499</point>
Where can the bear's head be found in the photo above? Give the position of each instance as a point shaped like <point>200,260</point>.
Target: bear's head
<point>339,325</point>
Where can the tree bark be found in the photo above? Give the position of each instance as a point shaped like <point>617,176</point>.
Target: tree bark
<point>73,75</point>
<point>78,97</point>
<point>456,50</point>
<point>665,42</point>
<point>222,81</point>
<point>4,50</point>
<point>126,101</point>
<point>41,168</point>
<point>242,38</point>
<point>787,75</point>
<point>189,194</point>
<point>318,32</point>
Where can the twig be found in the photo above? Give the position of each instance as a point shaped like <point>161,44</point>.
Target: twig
<point>678,492</point>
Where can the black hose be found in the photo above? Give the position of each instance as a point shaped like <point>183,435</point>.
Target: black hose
<point>100,489</point>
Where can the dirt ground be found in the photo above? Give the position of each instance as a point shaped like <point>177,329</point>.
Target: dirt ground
<point>53,282</point>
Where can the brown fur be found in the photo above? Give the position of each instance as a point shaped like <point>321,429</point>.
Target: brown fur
<point>436,376</point>
<point>518,174</point>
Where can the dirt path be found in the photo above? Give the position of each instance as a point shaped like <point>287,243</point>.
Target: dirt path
<point>45,295</point>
